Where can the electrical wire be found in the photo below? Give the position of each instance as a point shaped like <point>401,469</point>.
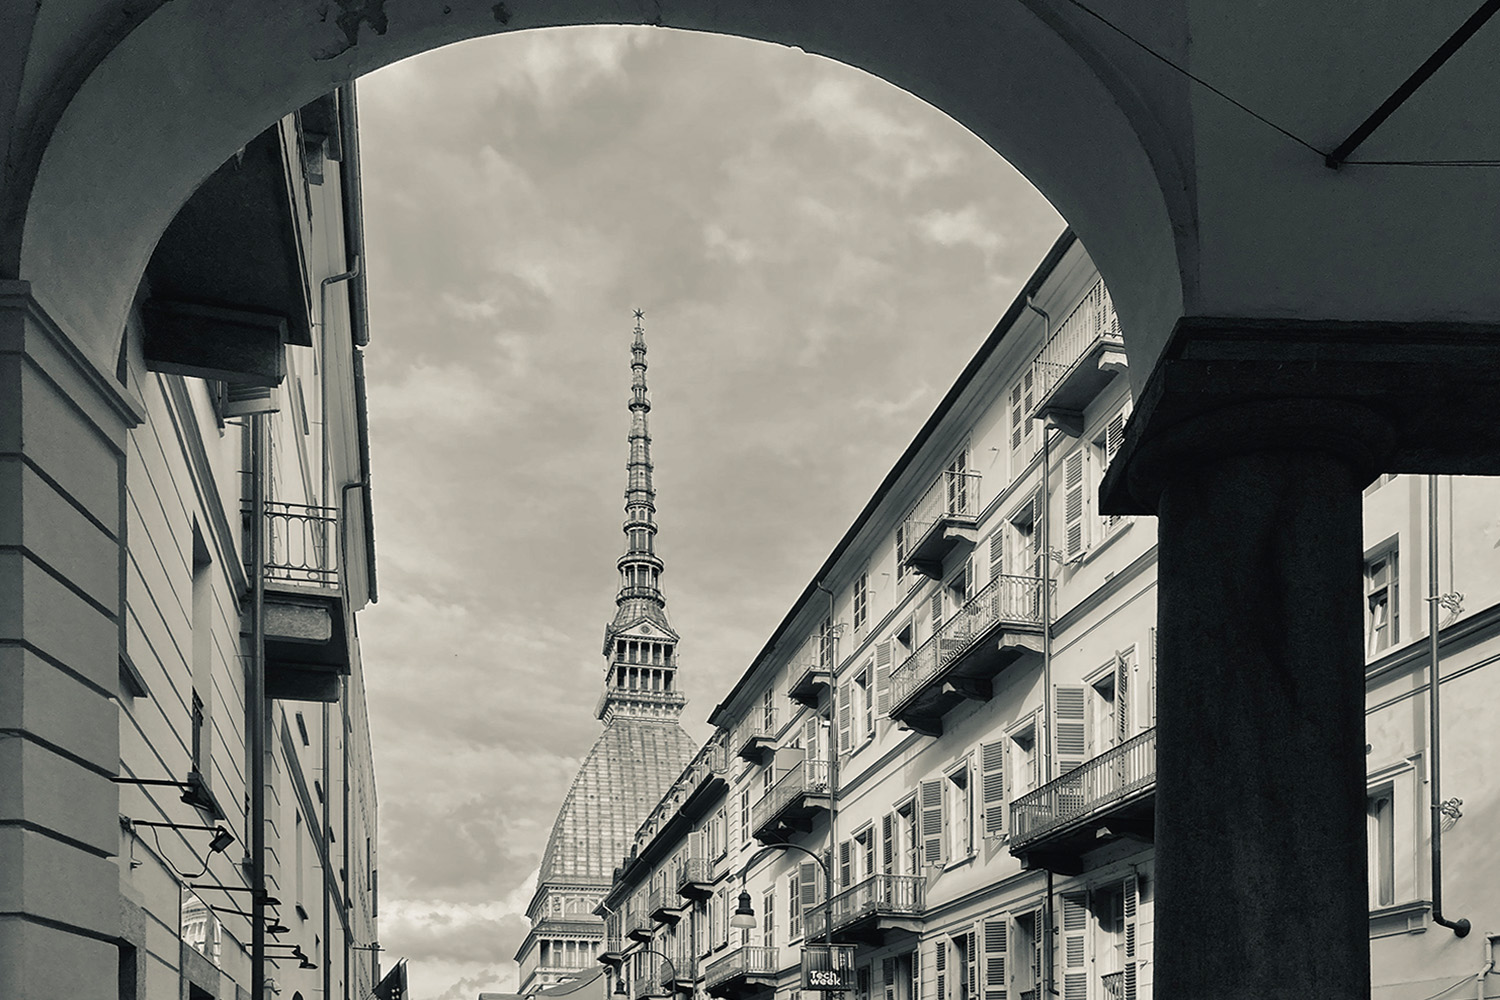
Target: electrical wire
<point>163,855</point>
<point>1449,989</point>
<point>1262,118</point>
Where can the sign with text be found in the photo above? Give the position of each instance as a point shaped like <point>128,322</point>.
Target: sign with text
<point>828,967</point>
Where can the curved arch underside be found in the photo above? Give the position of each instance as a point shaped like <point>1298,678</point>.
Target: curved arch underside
<point>1187,204</point>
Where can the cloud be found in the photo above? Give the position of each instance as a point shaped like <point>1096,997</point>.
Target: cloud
<point>961,227</point>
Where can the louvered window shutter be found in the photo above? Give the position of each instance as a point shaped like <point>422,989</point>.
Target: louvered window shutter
<point>971,958</point>
<point>993,934</point>
<point>888,977</point>
<point>809,886</point>
<point>1131,959</point>
<point>882,678</point>
<point>810,738</point>
<point>846,864</point>
<point>937,611</point>
<point>997,555</point>
<point>732,824</point>
<point>846,716</point>
<point>1068,727</point>
<point>1073,503</point>
<point>992,787</point>
<point>940,969</point>
<point>931,804</point>
<point>1074,930</point>
<point>1148,689</point>
<point>1123,664</point>
<point>888,844</point>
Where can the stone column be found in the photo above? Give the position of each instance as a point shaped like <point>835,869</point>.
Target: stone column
<point>1260,821</point>
<point>62,450</point>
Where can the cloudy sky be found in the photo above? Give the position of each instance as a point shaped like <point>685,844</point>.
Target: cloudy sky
<point>817,253</point>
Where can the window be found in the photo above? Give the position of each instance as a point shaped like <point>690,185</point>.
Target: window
<point>959,812</point>
<point>768,919</point>
<point>959,494</point>
<point>864,854</point>
<point>861,600</point>
<point>1022,427</point>
<point>1025,761</point>
<point>745,810</point>
<point>1380,808</point>
<point>902,542</point>
<point>1381,625</point>
<point>906,832</point>
<point>794,908</point>
<point>1021,555</point>
<point>864,704</point>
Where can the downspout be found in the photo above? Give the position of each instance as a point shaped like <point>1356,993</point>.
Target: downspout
<point>327,855</point>
<point>255,705</point>
<point>344,792</point>
<point>833,776</point>
<point>1045,744</point>
<point>1459,927</point>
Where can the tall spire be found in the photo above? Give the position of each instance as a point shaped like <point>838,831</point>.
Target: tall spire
<point>641,648</point>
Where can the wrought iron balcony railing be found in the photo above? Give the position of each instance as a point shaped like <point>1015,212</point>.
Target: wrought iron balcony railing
<point>302,544</point>
<point>1072,347</point>
<point>755,733</point>
<point>810,670</point>
<point>1016,599</point>
<point>895,895</point>
<point>954,495</point>
<point>1114,985</point>
<point>638,920</point>
<point>695,872</point>
<point>1114,775</point>
<point>749,960</point>
<point>807,777</point>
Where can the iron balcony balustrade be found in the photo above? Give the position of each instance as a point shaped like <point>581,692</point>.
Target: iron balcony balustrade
<point>613,948</point>
<point>1083,354</point>
<point>744,972</point>
<point>648,986</point>
<point>638,925</point>
<point>945,518</point>
<point>665,906</point>
<point>695,879</point>
<point>1095,804</point>
<point>306,632</point>
<point>810,673</point>
<point>789,807</point>
<point>993,629</point>
<point>755,735</point>
<point>1113,985</point>
<point>872,911</point>
<point>686,975</point>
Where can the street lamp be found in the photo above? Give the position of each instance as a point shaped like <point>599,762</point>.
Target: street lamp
<point>744,914</point>
<point>621,991</point>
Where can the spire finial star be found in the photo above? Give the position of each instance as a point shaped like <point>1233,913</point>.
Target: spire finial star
<point>639,315</point>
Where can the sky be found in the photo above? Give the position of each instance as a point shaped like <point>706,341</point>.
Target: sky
<point>817,254</point>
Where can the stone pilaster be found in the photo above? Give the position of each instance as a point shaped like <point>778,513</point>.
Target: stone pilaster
<point>63,427</point>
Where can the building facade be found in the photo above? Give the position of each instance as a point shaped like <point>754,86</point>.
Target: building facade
<point>943,762</point>
<point>231,726</point>
<point>639,754</point>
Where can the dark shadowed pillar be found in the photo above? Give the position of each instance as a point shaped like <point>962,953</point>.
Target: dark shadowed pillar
<point>1260,825</point>
<point>1251,441</point>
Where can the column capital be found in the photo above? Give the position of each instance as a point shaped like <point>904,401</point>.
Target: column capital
<point>1388,397</point>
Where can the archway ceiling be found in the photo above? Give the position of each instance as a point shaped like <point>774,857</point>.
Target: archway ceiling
<point>116,111</point>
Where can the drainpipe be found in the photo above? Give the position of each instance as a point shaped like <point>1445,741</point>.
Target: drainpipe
<point>833,776</point>
<point>327,857</point>
<point>1045,744</point>
<point>255,705</point>
<point>1461,926</point>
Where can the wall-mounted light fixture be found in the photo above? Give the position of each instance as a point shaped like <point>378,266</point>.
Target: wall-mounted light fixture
<point>221,840</point>
<point>195,791</point>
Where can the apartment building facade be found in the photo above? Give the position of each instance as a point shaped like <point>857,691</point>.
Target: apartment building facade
<point>230,740</point>
<point>936,781</point>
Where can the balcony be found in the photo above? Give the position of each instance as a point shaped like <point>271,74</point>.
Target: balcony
<point>810,673</point>
<point>307,645</point>
<point>648,986</point>
<point>946,518</point>
<point>613,949</point>
<point>745,972</point>
<point>679,977</point>
<point>999,625</point>
<point>665,906</point>
<point>1079,360</point>
<point>874,912</point>
<point>1113,986</point>
<point>638,926</point>
<point>792,803</point>
<point>695,879</point>
<point>755,735</point>
<point>1098,803</point>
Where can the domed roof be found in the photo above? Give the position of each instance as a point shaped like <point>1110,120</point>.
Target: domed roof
<point>631,766</point>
